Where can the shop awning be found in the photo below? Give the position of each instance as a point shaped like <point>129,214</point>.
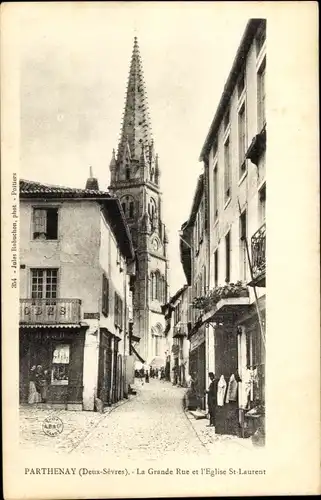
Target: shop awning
<point>60,326</point>
<point>227,308</point>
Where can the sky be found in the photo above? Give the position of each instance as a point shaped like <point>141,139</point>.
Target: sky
<point>74,60</point>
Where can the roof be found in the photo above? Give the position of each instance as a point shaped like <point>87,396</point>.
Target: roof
<point>179,292</point>
<point>241,54</point>
<point>31,189</point>
<point>112,207</point>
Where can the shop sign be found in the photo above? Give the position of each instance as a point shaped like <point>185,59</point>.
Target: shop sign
<point>91,316</point>
<point>197,339</point>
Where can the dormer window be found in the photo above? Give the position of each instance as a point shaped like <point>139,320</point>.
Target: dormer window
<point>127,173</point>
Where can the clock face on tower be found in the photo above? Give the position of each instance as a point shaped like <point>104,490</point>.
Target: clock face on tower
<point>155,244</point>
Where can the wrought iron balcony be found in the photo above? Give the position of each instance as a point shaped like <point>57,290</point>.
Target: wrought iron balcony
<point>50,311</point>
<point>258,245</point>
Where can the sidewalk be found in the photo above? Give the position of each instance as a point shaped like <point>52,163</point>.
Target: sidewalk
<point>219,443</point>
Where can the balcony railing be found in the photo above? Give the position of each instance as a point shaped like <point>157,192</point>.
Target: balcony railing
<point>258,245</point>
<point>50,311</point>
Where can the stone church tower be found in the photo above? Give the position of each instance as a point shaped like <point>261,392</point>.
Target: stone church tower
<point>135,179</point>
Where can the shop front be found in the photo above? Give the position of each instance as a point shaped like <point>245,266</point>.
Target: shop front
<point>51,365</point>
<point>197,365</point>
<point>105,367</point>
<point>226,371</point>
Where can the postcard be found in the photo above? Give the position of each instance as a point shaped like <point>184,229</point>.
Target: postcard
<point>160,249</point>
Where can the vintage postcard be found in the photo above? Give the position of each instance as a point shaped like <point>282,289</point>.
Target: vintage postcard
<point>160,249</point>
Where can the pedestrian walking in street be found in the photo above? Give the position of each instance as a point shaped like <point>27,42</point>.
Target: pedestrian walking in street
<point>147,377</point>
<point>212,398</point>
<point>142,376</point>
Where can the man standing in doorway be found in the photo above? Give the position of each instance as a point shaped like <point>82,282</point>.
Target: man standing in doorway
<point>212,398</point>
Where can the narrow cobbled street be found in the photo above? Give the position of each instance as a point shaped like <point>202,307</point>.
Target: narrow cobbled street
<point>153,422</point>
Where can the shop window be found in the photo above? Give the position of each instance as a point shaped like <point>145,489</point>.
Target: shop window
<point>60,364</point>
<point>105,296</point>
<point>45,223</point>
<point>44,284</point>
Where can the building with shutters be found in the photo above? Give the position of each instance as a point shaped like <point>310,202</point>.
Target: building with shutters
<point>223,244</point>
<point>178,324</point>
<point>194,257</point>
<point>135,179</point>
<point>76,273</point>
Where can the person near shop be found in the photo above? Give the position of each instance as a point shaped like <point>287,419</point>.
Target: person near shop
<point>212,398</point>
<point>41,382</point>
<point>34,395</point>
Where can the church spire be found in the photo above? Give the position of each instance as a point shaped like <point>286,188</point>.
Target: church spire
<point>136,129</point>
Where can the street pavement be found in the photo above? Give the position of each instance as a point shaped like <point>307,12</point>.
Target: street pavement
<point>151,424</point>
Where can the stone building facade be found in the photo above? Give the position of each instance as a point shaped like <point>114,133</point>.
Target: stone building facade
<point>76,263</point>
<point>135,179</point>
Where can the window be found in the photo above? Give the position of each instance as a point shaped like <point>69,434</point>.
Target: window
<point>128,206</point>
<point>60,364</point>
<point>226,119</point>
<point>242,140</point>
<point>157,287</point>
<point>105,296</point>
<point>260,38</point>
<point>152,212</point>
<point>214,148</point>
<point>261,97</point>
<point>228,257</point>
<point>45,223</point>
<point>262,203</point>
<point>216,267</point>
<point>243,253</point>
<point>241,84</point>
<point>118,311</point>
<point>44,283</point>
<point>227,169</point>
<point>204,280</point>
<point>157,346</point>
<point>127,173</point>
<point>215,192</point>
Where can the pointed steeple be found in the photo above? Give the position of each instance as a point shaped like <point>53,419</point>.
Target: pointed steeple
<point>92,182</point>
<point>136,127</point>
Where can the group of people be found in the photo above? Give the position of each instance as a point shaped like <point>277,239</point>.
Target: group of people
<point>144,374</point>
<point>38,384</point>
